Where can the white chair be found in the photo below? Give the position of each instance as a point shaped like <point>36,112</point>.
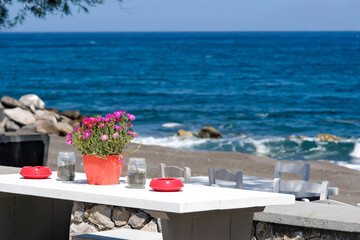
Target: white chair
<point>226,175</point>
<point>301,187</point>
<point>175,171</point>
<point>304,170</point>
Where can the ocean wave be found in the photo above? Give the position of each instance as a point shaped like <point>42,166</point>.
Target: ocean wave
<point>311,149</point>
<point>172,125</point>
<point>356,152</point>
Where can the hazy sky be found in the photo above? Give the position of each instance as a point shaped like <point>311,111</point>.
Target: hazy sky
<point>206,15</point>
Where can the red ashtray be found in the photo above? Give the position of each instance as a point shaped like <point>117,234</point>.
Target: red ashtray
<point>37,172</point>
<point>166,184</point>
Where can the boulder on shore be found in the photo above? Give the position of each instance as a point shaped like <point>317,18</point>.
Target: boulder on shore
<point>328,137</point>
<point>20,116</point>
<point>11,126</point>
<point>32,100</point>
<point>303,137</point>
<point>46,126</point>
<point>209,132</point>
<point>64,128</point>
<point>72,114</point>
<point>184,133</point>
<point>9,102</point>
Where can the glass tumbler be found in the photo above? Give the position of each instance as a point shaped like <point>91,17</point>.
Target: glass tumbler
<point>66,166</point>
<point>136,174</point>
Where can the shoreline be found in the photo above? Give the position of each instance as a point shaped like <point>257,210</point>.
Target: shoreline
<point>338,176</point>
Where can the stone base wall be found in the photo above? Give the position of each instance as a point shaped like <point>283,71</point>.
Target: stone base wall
<point>89,218</point>
<point>272,231</point>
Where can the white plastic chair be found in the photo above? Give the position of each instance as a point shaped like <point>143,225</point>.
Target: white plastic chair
<point>226,175</point>
<point>304,170</point>
<point>301,186</point>
<point>175,171</point>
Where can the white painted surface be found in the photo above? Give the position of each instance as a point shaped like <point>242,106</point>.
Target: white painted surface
<point>192,198</point>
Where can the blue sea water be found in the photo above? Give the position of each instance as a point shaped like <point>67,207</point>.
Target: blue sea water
<point>256,88</point>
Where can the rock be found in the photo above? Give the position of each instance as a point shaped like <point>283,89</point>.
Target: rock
<point>33,109</point>
<point>151,226</point>
<point>45,115</point>
<point>96,116</point>
<point>72,114</point>
<point>127,226</point>
<point>53,110</point>
<point>291,137</point>
<point>66,119</point>
<point>20,116</point>
<point>138,220</point>
<point>100,215</point>
<point>3,118</point>
<point>303,137</point>
<point>28,128</point>
<point>45,126</point>
<point>64,128</point>
<point>120,216</point>
<point>2,129</point>
<point>241,135</point>
<point>9,102</point>
<point>11,126</point>
<point>209,132</point>
<point>1,106</point>
<point>78,211</point>
<point>264,231</point>
<point>75,123</point>
<point>32,99</point>
<point>183,133</point>
<point>81,228</point>
<point>328,137</point>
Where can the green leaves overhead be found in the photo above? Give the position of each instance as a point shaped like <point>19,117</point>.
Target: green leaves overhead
<point>41,9</point>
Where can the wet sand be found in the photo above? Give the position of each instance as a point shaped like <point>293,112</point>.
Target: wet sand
<point>347,180</point>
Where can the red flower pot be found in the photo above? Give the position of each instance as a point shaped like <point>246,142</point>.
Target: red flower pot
<point>103,171</point>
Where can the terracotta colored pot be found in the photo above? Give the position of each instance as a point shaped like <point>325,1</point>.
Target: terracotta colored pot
<point>103,171</point>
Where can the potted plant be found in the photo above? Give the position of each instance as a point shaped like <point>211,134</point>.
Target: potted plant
<point>103,142</point>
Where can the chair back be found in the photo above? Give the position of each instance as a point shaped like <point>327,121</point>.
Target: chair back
<point>226,175</point>
<point>281,186</point>
<point>175,171</point>
<point>304,170</point>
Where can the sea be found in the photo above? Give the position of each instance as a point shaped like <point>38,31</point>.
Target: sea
<point>261,90</point>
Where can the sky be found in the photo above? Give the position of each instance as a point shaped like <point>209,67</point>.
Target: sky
<point>204,15</point>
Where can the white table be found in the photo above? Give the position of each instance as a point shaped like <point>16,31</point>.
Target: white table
<point>258,184</point>
<point>196,212</point>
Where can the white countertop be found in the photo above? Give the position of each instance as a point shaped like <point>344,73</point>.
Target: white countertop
<point>192,198</point>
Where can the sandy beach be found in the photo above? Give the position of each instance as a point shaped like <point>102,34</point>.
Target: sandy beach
<point>347,180</point>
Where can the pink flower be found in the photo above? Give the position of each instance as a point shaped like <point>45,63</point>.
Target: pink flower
<point>104,137</point>
<point>115,135</point>
<point>118,114</point>
<point>101,119</point>
<point>130,116</point>
<point>117,127</point>
<point>69,135</point>
<point>78,129</point>
<point>133,133</point>
<point>69,141</point>
<point>87,134</point>
<point>101,125</point>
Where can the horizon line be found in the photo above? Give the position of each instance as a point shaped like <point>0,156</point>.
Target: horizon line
<point>190,31</point>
